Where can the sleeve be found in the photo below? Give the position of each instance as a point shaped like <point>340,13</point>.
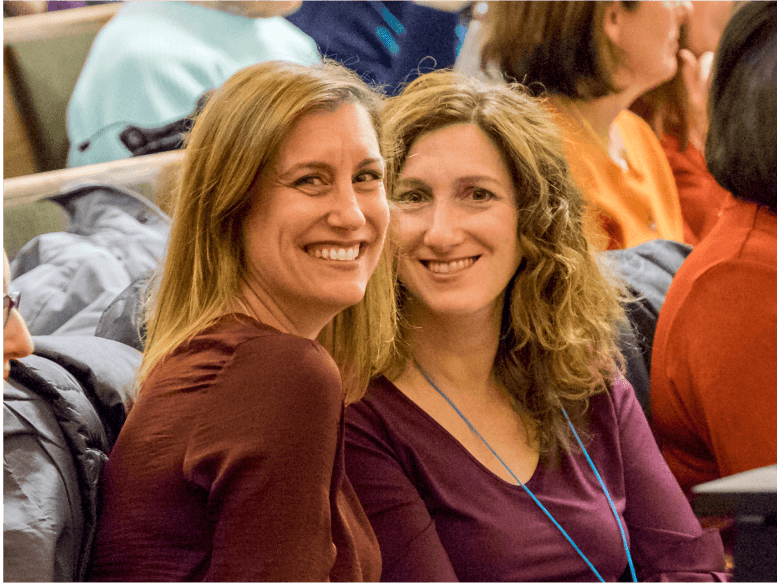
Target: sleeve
<point>409,543</point>
<point>723,370</point>
<point>42,514</point>
<point>666,541</point>
<point>265,455</point>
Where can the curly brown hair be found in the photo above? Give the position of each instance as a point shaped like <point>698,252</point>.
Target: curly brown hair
<point>561,312</point>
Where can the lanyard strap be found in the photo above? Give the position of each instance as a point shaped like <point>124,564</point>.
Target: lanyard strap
<point>533,497</point>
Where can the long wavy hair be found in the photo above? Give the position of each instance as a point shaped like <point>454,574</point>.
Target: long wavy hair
<point>561,314</point>
<point>234,138</point>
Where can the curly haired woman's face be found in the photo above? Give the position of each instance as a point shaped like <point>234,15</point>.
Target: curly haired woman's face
<point>458,223</point>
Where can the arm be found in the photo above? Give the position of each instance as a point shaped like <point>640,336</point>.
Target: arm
<point>667,543</point>
<point>410,546</point>
<point>265,454</point>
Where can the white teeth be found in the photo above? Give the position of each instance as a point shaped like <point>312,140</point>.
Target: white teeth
<point>449,266</point>
<point>336,254</point>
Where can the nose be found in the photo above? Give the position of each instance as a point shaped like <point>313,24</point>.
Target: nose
<point>346,212</point>
<point>17,342</point>
<point>444,230</point>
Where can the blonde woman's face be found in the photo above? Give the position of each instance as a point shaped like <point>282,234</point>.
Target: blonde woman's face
<point>458,222</point>
<point>315,233</point>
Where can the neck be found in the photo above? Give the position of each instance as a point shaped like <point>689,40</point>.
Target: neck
<point>459,351</point>
<point>254,302</point>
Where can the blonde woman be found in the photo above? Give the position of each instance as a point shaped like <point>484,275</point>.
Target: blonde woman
<point>501,443</point>
<point>594,59</point>
<point>230,463</point>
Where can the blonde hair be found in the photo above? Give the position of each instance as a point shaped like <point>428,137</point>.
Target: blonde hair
<point>562,312</point>
<point>234,138</point>
<point>559,45</point>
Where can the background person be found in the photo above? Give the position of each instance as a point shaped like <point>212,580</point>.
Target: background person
<point>62,409</point>
<point>507,326</point>
<point>385,42</point>
<point>230,463</point>
<point>151,63</point>
<point>594,59</point>
<point>713,387</point>
<point>677,112</point>
<point>17,342</point>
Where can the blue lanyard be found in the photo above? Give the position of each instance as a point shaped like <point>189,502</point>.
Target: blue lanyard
<point>533,497</point>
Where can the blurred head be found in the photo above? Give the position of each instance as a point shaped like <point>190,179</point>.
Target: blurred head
<point>235,180</point>
<point>252,9</point>
<point>742,141</point>
<point>705,25</point>
<point>477,173</point>
<point>585,50</point>
<point>17,342</point>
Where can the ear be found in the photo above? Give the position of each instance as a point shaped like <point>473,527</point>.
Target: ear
<point>612,24</point>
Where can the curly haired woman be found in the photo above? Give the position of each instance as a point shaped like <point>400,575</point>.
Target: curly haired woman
<point>501,443</point>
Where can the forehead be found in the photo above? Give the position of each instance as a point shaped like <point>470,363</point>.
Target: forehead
<point>465,147</point>
<point>325,132</point>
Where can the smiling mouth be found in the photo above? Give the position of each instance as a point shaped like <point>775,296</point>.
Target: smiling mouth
<point>331,252</point>
<point>449,266</point>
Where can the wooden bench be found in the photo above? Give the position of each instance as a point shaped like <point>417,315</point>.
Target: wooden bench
<point>42,58</point>
<point>27,212</point>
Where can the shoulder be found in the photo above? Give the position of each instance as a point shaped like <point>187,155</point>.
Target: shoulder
<point>631,125</point>
<point>732,266</point>
<point>383,413</point>
<point>618,399</point>
<point>238,345</point>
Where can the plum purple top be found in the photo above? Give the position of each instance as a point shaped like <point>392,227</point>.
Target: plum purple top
<point>440,515</point>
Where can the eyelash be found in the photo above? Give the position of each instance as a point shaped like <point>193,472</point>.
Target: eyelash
<point>308,179</point>
<point>489,195</point>
<point>415,196</point>
<point>372,174</point>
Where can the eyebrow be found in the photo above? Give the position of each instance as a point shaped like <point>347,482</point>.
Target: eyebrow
<point>417,182</point>
<point>324,166</point>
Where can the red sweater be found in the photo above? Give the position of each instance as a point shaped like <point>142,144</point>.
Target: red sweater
<point>713,381</point>
<point>230,467</point>
<point>701,197</point>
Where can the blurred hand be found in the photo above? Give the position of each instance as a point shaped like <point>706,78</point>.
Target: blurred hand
<point>696,75</point>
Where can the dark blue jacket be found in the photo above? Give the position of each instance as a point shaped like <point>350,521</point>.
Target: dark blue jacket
<point>385,42</point>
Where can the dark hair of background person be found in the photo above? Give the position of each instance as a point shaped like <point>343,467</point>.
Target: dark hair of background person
<point>560,45</point>
<point>742,138</point>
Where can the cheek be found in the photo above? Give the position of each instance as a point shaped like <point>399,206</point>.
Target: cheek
<point>409,229</point>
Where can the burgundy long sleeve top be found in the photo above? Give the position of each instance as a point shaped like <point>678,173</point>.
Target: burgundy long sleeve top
<point>440,515</point>
<point>230,467</point>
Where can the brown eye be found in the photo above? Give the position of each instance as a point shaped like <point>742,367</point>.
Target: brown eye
<point>482,195</point>
<point>368,176</point>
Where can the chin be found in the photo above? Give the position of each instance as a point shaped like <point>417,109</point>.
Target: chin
<point>341,297</point>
